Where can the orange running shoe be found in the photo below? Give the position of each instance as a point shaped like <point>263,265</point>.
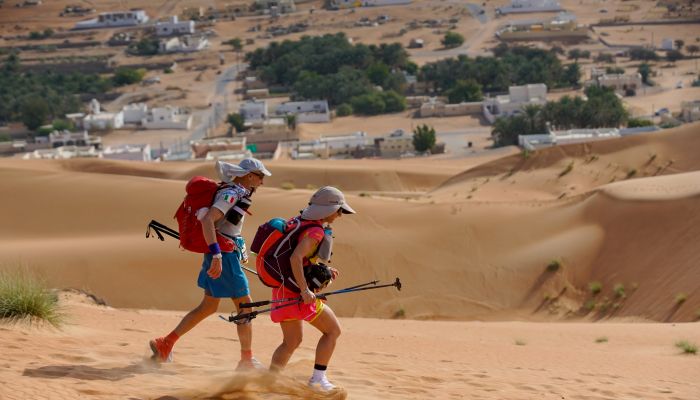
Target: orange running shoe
<point>162,350</point>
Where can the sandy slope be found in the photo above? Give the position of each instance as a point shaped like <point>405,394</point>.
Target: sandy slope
<point>102,354</point>
<point>459,257</point>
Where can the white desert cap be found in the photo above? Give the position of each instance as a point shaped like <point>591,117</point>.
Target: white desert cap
<point>228,171</point>
<point>325,202</point>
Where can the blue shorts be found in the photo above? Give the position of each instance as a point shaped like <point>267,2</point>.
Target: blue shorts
<point>232,282</point>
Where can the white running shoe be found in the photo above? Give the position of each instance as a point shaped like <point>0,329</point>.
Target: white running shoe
<point>322,384</point>
<point>250,364</point>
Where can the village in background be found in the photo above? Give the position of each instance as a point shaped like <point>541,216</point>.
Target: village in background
<point>190,82</point>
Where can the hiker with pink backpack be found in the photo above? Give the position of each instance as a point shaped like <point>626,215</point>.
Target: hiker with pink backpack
<point>210,220</point>
<point>291,257</point>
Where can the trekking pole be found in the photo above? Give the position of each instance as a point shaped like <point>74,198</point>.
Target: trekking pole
<point>266,302</point>
<point>397,284</point>
<point>245,317</point>
<point>158,228</point>
<point>249,316</point>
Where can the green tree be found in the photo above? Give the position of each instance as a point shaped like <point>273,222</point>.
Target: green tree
<point>292,121</point>
<point>674,55</point>
<point>343,110</point>
<point>35,112</point>
<point>393,101</point>
<point>377,73</point>
<point>692,49</point>
<point>236,121</point>
<point>452,39</point>
<point>368,104</point>
<point>423,138</point>
<point>63,125</point>
<point>679,44</point>
<point>465,91</point>
<point>575,54</point>
<point>505,130</point>
<point>235,43</point>
<point>643,54</point>
<point>644,70</point>
<point>638,122</point>
<point>572,74</point>
<point>127,76</point>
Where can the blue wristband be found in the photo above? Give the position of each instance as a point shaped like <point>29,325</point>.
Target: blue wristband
<point>214,248</point>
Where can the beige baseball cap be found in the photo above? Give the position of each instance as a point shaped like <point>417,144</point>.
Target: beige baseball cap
<point>325,202</point>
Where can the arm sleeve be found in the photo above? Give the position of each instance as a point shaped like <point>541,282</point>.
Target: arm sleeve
<point>227,198</point>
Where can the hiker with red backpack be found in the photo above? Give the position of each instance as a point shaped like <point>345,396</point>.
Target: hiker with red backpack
<point>210,221</point>
<point>290,263</point>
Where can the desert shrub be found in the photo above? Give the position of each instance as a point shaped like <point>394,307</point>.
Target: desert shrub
<point>619,290</point>
<point>343,110</point>
<point>553,265</point>
<point>568,169</point>
<point>687,347</point>
<point>24,297</point>
<point>681,298</point>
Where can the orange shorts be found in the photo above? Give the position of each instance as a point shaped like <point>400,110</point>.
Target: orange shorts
<point>297,312</point>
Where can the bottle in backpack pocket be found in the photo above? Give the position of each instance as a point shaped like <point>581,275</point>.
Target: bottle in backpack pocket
<point>325,248</point>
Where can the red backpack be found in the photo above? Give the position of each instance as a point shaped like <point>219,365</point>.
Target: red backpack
<point>274,243</point>
<point>201,192</point>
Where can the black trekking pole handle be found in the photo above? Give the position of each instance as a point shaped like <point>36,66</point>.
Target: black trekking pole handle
<point>266,302</point>
<point>253,314</point>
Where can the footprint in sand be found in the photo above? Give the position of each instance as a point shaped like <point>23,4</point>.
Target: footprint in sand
<point>372,353</point>
<point>134,330</point>
<point>73,358</point>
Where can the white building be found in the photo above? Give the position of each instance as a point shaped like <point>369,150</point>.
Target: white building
<point>518,97</point>
<point>62,153</point>
<point>67,138</point>
<point>530,6</point>
<point>173,26</point>
<point>668,44</point>
<point>229,155</point>
<point>253,111</point>
<point>114,19</point>
<point>395,144</point>
<point>619,82</point>
<point>201,148</point>
<point>130,152</point>
<point>134,113</point>
<point>101,121</point>
<point>184,44</point>
<point>366,3</point>
<point>306,111</point>
<point>332,146</point>
<point>555,137</point>
<point>167,117</point>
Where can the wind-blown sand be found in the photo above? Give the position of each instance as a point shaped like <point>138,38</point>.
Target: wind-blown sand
<point>462,254</point>
<point>102,354</point>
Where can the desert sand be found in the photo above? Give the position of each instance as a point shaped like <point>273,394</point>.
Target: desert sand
<point>481,314</point>
<point>471,243</point>
<point>103,354</point>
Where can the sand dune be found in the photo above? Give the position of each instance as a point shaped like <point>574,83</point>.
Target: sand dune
<point>459,257</point>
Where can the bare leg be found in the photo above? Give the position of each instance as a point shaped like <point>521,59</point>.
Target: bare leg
<point>292,333</point>
<point>245,331</point>
<point>206,308</point>
<point>328,324</point>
